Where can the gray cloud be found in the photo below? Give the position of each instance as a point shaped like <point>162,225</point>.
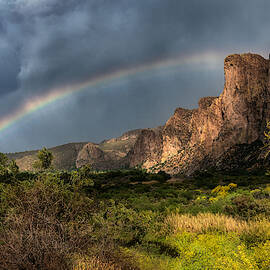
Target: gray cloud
<point>50,43</point>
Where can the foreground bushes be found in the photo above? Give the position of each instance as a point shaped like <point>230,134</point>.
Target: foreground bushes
<point>45,222</point>
<point>213,251</point>
<point>61,220</point>
<point>94,263</point>
<point>39,229</point>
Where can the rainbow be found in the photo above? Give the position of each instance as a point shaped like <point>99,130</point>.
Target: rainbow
<point>37,103</point>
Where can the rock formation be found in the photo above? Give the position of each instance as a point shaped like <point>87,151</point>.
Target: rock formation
<point>223,132</point>
<point>109,154</point>
<point>199,138</point>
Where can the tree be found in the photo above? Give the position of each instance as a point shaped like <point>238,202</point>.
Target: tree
<point>3,167</point>
<point>85,171</point>
<point>267,139</point>
<point>13,167</point>
<point>45,158</point>
<point>3,160</point>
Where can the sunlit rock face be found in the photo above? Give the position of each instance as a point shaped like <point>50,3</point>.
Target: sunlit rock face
<point>197,139</point>
<point>245,99</point>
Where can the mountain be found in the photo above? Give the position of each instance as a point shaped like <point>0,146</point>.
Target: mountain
<point>224,132</point>
<point>208,136</point>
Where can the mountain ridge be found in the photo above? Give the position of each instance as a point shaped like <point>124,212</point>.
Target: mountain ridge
<point>191,139</point>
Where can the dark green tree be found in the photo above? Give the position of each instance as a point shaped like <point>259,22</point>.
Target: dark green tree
<point>3,167</point>
<point>45,158</point>
<point>3,160</point>
<point>13,167</point>
<point>267,139</point>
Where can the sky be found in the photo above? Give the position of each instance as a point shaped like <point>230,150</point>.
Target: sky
<point>89,70</point>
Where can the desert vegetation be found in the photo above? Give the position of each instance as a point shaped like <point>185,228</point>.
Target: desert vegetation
<point>132,219</point>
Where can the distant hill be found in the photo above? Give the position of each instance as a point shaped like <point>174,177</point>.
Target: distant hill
<point>106,155</point>
<point>64,156</point>
<point>109,154</point>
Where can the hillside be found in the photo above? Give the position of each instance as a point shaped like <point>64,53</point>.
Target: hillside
<point>108,154</point>
<point>64,156</point>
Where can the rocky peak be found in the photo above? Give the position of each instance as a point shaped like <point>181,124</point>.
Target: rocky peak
<point>245,99</point>
<point>109,154</point>
<point>89,154</point>
<point>246,73</point>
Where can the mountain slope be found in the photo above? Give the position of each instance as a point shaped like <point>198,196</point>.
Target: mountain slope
<point>64,156</point>
<point>108,154</point>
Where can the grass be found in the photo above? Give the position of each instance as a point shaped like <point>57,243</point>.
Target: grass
<point>94,264</point>
<point>206,222</point>
<point>250,232</point>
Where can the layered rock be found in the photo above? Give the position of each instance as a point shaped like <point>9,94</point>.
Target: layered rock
<point>196,139</point>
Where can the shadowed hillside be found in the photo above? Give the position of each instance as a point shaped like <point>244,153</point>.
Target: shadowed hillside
<point>64,156</point>
<point>108,154</point>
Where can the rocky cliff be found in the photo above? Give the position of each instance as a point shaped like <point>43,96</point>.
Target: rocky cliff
<point>199,138</point>
<point>223,132</point>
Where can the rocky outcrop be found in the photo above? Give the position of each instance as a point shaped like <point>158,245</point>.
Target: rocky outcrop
<point>109,154</point>
<point>91,154</point>
<point>199,138</point>
<point>147,148</point>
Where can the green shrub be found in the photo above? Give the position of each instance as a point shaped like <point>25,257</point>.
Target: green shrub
<point>122,224</point>
<point>245,206</point>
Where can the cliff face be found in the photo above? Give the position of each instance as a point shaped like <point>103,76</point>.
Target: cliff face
<point>196,139</point>
<point>147,148</point>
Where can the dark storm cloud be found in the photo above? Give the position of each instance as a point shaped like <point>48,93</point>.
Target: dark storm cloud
<point>51,43</point>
